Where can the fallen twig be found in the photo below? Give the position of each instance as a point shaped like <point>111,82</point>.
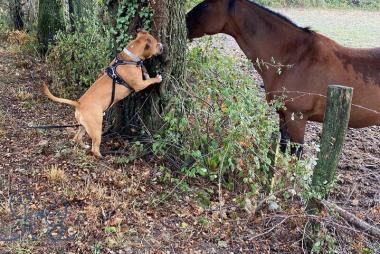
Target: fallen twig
<point>272,228</point>
<point>352,219</point>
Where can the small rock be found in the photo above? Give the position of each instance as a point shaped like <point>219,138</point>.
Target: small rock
<point>273,206</point>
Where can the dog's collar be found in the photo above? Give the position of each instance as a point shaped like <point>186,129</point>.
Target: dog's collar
<point>131,55</point>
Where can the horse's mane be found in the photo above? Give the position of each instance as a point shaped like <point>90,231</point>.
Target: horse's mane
<point>231,6</point>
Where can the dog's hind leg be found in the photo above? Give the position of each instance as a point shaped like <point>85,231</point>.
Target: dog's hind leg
<point>96,136</point>
<point>78,138</point>
<point>93,125</point>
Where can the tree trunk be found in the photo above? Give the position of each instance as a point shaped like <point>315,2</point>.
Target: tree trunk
<point>112,8</point>
<point>78,9</point>
<point>30,9</point>
<point>15,9</point>
<point>70,4</point>
<point>50,21</point>
<point>141,112</point>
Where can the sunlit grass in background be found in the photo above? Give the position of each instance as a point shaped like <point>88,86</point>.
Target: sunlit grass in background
<point>351,28</point>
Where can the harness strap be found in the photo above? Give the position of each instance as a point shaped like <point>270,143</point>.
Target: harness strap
<point>113,93</point>
<point>116,79</point>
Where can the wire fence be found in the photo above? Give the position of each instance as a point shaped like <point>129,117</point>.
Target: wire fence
<point>302,93</point>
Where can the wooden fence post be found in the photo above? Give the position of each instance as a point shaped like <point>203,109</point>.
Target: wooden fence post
<point>337,115</point>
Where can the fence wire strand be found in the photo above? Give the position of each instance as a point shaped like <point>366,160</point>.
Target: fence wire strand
<point>302,94</point>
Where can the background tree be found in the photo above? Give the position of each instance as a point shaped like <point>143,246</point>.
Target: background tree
<point>143,110</point>
<point>78,9</point>
<point>111,19</point>
<point>16,13</point>
<point>50,21</point>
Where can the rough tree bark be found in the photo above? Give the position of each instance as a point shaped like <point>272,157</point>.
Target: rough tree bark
<point>70,4</point>
<point>143,110</point>
<point>16,12</point>
<point>30,10</point>
<point>50,21</point>
<point>113,6</point>
<point>78,9</point>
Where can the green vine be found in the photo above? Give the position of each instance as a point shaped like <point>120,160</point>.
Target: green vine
<point>131,13</point>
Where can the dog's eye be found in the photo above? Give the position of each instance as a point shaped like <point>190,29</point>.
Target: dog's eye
<point>148,42</point>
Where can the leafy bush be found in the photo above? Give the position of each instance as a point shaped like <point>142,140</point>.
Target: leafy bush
<point>4,24</point>
<point>219,123</point>
<point>366,4</point>
<point>76,59</point>
<point>125,15</point>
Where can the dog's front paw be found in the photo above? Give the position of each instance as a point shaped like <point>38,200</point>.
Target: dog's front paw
<point>159,78</point>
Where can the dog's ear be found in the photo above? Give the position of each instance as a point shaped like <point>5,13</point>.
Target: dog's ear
<point>148,43</point>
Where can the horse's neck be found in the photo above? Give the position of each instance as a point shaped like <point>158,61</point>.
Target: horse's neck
<point>264,42</point>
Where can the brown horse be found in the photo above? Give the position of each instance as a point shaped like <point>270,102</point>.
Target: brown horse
<point>316,61</point>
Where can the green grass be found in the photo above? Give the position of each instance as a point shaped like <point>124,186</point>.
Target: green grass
<point>351,28</point>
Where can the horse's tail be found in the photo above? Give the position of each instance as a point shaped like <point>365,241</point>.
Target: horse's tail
<point>57,99</point>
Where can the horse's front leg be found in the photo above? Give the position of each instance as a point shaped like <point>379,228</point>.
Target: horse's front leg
<point>294,128</point>
<point>284,135</point>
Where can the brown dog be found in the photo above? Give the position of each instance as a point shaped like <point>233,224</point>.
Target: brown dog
<point>90,107</point>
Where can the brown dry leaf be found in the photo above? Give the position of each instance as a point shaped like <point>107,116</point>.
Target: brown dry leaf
<point>244,144</point>
<point>360,215</point>
<point>215,215</point>
<point>182,213</point>
<point>197,209</point>
<point>376,210</point>
<point>115,221</point>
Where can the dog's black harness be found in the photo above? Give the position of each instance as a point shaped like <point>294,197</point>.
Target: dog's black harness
<point>116,79</point>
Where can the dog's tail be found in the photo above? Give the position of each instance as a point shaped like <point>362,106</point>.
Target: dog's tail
<point>61,100</point>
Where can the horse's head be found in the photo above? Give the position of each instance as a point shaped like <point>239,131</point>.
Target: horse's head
<point>208,17</point>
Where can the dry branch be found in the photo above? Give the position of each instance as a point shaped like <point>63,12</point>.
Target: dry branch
<point>352,219</point>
